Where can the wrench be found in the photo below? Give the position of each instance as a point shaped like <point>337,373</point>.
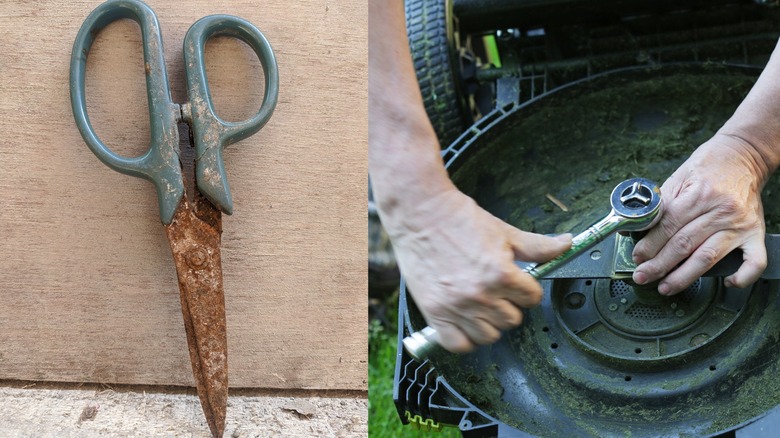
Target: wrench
<point>635,202</point>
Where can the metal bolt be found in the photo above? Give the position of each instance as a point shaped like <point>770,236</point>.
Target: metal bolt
<point>613,307</point>
<point>595,255</point>
<point>623,301</point>
<point>197,258</point>
<point>575,300</point>
<point>636,196</point>
<point>673,306</point>
<point>680,313</point>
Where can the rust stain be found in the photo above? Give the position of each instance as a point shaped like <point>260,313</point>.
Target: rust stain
<point>195,236</point>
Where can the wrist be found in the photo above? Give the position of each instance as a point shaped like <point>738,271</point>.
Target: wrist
<point>756,122</point>
<point>755,146</point>
<point>411,193</point>
<point>410,184</point>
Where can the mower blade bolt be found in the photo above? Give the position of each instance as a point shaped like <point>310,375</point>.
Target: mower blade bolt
<point>636,196</point>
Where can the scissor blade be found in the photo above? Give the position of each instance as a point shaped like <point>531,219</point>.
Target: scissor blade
<point>194,237</point>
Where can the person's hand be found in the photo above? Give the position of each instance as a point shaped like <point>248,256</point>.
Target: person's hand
<point>458,262</point>
<point>711,205</point>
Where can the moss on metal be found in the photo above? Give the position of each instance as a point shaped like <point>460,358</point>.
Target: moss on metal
<point>576,146</point>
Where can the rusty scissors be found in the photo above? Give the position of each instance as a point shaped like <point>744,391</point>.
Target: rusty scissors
<point>193,221</point>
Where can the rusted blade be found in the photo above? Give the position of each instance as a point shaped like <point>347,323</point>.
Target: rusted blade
<point>194,236</point>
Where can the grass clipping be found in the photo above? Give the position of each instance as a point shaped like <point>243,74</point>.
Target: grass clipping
<point>576,145</point>
<point>572,148</point>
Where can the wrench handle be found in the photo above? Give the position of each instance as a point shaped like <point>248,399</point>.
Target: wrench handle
<point>579,244</point>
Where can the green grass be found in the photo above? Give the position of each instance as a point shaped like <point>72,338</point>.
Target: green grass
<point>383,420</point>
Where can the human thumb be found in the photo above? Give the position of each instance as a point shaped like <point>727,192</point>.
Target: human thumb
<point>532,247</point>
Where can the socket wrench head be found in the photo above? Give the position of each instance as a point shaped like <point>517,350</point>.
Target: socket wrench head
<point>638,202</point>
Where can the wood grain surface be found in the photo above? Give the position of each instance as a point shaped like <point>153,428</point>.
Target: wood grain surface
<point>88,289</point>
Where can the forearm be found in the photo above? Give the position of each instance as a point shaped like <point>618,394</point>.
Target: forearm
<point>757,119</point>
<point>404,161</point>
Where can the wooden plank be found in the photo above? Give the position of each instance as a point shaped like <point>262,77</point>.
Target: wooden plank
<point>88,288</point>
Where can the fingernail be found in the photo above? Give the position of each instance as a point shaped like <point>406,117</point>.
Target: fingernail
<point>640,278</point>
<point>664,289</point>
<point>565,237</point>
<point>728,283</point>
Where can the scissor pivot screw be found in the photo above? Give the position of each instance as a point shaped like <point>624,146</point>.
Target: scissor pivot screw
<point>198,258</point>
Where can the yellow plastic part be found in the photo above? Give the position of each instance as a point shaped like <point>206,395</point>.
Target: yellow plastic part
<point>424,424</point>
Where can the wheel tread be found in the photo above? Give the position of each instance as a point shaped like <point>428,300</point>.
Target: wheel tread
<point>427,32</point>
